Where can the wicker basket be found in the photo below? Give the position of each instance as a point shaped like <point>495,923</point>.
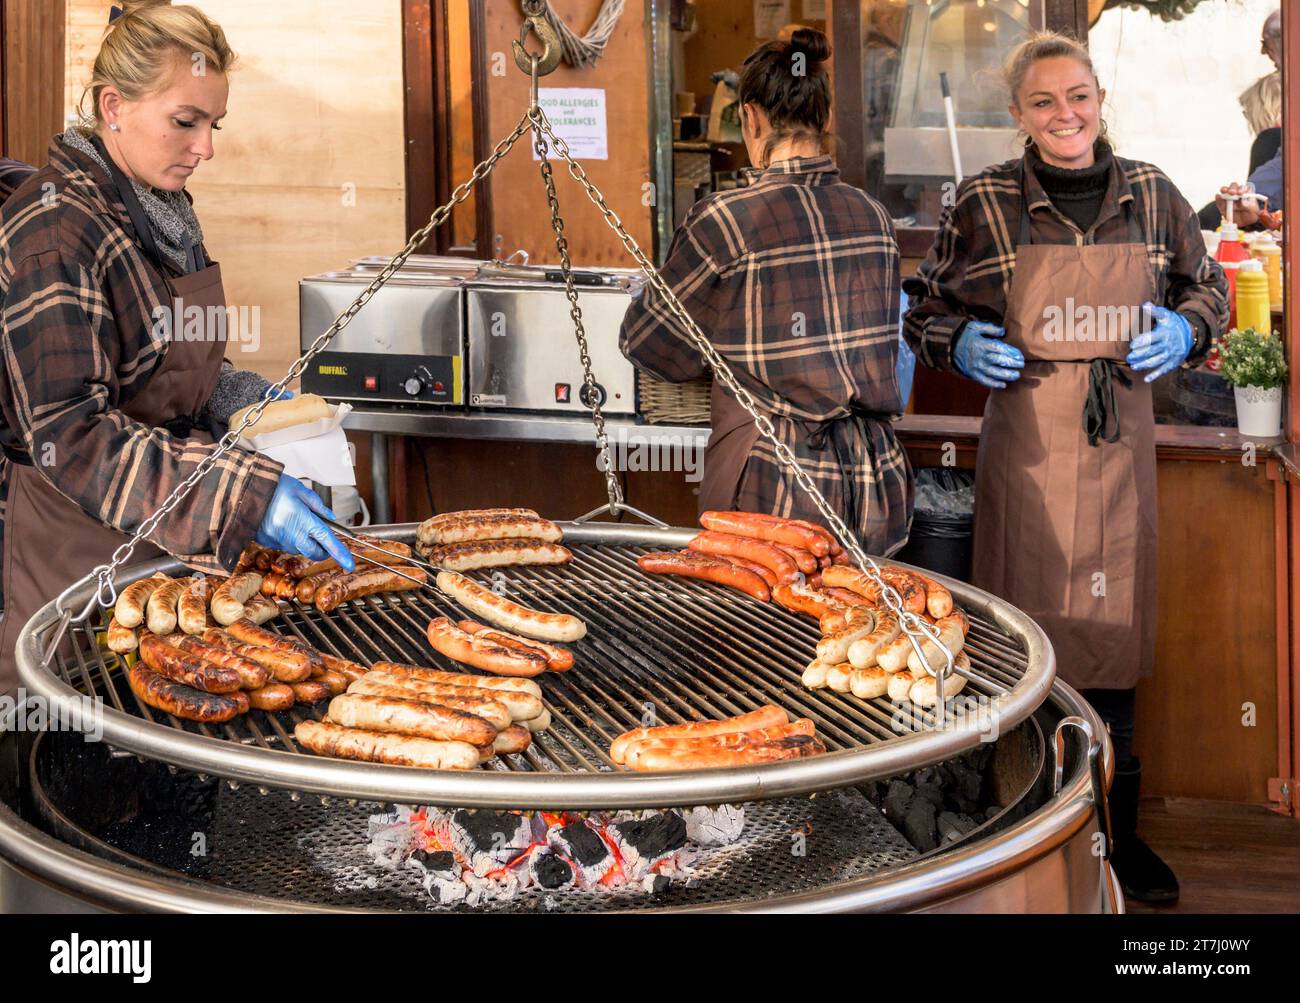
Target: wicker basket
<point>664,403</point>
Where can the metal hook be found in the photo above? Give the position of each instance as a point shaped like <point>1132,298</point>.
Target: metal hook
<point>535,21</point>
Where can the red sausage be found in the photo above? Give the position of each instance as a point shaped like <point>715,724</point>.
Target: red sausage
<point>759,551</point>
<point>707,569</point>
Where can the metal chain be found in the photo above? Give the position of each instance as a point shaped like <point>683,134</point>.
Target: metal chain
<point>916,629</point>
<point>106,595</point>
<point>612,487</point>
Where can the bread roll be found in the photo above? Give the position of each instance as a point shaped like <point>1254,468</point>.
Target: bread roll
<point>283,414</point>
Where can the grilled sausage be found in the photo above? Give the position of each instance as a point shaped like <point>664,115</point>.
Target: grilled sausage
<point>449,640</point>
<point>771,528</point>
<point>938,600</point>
<point>727,545</point>
<point>260,610</point>
<point>349,670</point>
<point>286,588</point>
<point>272,697</point>
<point>778,750</point>
<point>950,633</point>
<point>909,586</point>
<point>869,683</point>
<point>183,667</point>
<point>363,583</point>
<point>458,678</point>
<point>410,717</point>
<point>160,611</point>
<point>121,639</point>
<point>767,574</point>
<point>326,739</point>
<point>804,560</point>
<point>310,691</point>
<point>557,659</point>
<point>834,647</point>
<point>807,600</point>
<point>539,723</point>
<point>733,740</point>
<point>899,685</point>
<point>494,712</point>
<point>767,716</point>
<point>248,558</point>
<point>922,692</point>
<point>892,656</point>
<point>270,584</point>
<point>837,677</point>
<point>521,705</point>
<point>506,613</point>
<point>495,527</point>
<point>512,740</point>
<point>192,606</point>
<point>287,663</point>
<point>710,569</point>
<point>425,533</point>
<point>862,652</point>
<point>229,598</point>
<point>497,554</point>
<point>130,606</point>
<point>264,559</point>
<point>814,677</point>
<point>307,587</point>
<point>336,681</point>
<point>251,675</point>
<point>179,700</point>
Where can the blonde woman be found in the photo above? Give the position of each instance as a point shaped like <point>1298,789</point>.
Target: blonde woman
<point>104,406</point>
<point>1067,280</point>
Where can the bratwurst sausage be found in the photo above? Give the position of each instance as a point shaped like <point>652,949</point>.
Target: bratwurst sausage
<point>506,613</point>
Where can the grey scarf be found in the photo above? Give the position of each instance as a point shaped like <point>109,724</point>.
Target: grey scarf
<point>172,221</point>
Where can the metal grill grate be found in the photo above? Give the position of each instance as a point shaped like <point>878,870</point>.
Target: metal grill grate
<point>657,651</point>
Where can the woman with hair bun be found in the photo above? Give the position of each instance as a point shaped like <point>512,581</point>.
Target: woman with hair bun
<point>1066,281</point>
<point>794,279</point>
<point>110,393</point>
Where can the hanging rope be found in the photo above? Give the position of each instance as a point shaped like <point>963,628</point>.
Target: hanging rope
<point>584,51</point>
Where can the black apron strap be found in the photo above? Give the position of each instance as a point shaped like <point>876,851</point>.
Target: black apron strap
<point>195,260</point>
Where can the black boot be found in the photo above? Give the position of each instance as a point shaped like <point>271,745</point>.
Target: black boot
<point>1142,874</point>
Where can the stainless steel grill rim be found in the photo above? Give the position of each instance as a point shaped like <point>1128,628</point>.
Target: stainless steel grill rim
<point>567,768</point>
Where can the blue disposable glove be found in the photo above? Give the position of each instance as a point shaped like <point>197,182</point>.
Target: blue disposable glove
<point>981,355</point>
<point>291,525</point>
<point>283,395</point>
<point>905,366</point>
<point>1164,347</point>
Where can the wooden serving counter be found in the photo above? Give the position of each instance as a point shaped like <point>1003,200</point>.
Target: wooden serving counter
<point>1209,723</point>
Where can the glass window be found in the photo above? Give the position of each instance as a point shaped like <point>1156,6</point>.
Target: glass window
<point>907,45</point>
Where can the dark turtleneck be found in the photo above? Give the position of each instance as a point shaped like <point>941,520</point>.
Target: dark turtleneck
<point>1078,194</point>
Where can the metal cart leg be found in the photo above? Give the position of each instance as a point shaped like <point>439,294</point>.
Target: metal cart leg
<point>381,512</point>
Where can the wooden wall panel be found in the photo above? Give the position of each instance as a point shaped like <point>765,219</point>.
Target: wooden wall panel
<point>520,215</point>
<point>309,170</point>
<point>1216,644</point>
<point>34,35</point>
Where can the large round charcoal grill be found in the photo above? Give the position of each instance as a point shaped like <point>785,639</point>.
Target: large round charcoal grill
<point>658,649</point>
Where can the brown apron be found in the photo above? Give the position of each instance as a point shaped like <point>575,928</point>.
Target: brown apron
<point>1065,529</point>
<point>731,441</point>
<point>50,542</point>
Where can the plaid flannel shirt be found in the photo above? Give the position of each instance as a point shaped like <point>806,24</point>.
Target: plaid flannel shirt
<point>968,270</point>
<point>794,280</point>
<point>77,298</point>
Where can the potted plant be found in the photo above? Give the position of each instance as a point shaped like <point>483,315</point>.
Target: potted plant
<point>1253,362</point>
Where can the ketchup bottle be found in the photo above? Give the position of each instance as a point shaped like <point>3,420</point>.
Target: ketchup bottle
<point>1230,254</point>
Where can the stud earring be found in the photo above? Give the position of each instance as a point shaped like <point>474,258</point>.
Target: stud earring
<point>113,126</point>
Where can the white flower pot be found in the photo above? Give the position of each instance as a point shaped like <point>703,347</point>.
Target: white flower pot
<point>1259,411</point>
